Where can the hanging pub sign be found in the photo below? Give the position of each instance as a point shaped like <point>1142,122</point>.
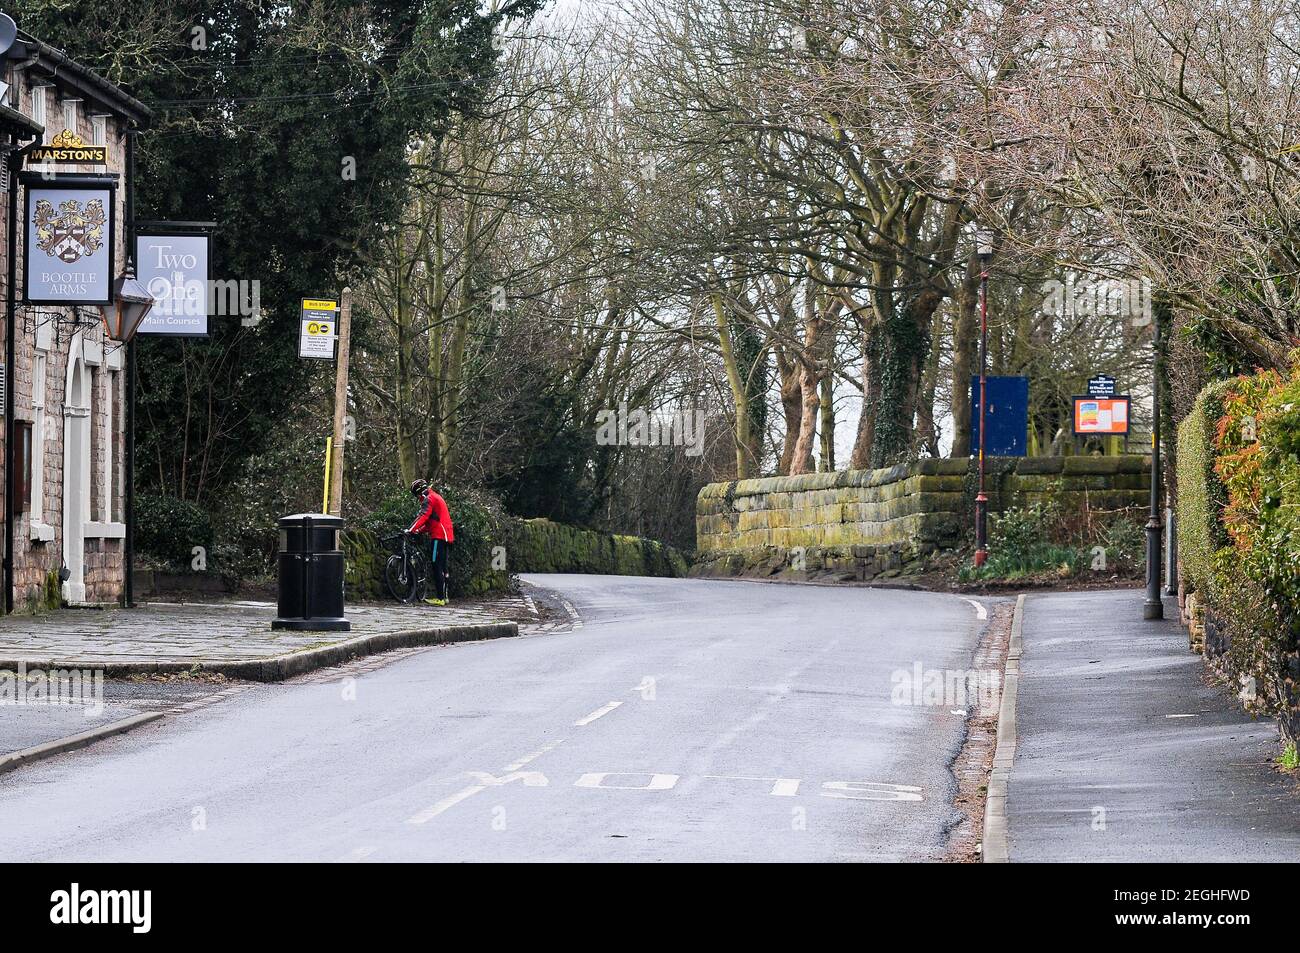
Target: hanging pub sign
<point>176,270</point>
<point>68,240</point>
<point>69,147</point>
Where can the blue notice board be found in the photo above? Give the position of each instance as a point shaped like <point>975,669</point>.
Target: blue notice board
<point>1008,415</point>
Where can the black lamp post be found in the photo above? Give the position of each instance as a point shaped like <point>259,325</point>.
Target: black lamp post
<point>1154,607</point>
<point>132,303</point>
<point>984,247</point>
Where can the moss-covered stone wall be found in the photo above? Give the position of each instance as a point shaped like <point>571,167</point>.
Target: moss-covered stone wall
<point>867,524</point>
<point>539,545</point>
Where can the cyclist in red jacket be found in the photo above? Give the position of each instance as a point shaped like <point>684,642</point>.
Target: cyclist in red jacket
<point>434,521</point>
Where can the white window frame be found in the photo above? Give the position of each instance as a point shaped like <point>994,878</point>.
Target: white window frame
<point>70,115</point>
<point>99,129</point>
<point>40,102</point>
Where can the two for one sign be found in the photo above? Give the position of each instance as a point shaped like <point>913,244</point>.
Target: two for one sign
<point>319,328</point>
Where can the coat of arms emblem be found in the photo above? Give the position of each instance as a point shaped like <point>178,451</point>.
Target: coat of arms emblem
<point>76,232</point>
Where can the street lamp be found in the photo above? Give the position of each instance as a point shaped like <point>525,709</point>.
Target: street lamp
<point>984,248</point>
<point>1154,607</point>
<point>132,303</point>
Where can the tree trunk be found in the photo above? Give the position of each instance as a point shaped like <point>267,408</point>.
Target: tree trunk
<point>965,354</point>
<point>866,436</point>
<point>900,350</point>
<point>406,460</point>
<point>811,372</point>
<point>927,432</point>
<point>791,407</point>
<point>827,427</point>
<point>739,392</point>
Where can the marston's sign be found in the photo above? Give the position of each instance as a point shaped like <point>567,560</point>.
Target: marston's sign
<point>67,146</point>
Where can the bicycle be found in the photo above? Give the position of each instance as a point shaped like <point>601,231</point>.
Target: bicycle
<point>406,574</point>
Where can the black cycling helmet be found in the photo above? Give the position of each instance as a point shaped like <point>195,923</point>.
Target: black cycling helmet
<point>419,486</point>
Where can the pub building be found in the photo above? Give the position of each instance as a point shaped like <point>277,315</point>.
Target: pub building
<point>65,135</point>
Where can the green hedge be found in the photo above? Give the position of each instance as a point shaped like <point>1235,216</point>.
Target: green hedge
<point>539,545</point>
<point>167,529</point>
<point>1201,496</point>
<point>1239,510</point>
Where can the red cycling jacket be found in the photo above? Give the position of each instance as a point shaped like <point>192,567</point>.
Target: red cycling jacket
<point>435,520</point>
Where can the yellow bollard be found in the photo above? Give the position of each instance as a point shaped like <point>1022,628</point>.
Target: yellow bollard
<point>325,497</point>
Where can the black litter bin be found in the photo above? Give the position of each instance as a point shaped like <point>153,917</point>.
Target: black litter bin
<point>311,574</point>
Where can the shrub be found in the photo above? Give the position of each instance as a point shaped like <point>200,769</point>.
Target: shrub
<point>1019,531</point>
<point>1125,543</point>
<point>1042,559</point>
<point>1201,497</point>
<point>167,529</point>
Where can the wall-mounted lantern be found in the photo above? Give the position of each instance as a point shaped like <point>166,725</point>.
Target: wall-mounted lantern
<point>131,305</point>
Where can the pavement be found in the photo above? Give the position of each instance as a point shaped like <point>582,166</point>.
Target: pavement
<point>211,632</point>
<point>1126,753</point>
<point>684,720</point>
<point>108,665</point>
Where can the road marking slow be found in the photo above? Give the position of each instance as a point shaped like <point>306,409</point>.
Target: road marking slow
<point>657,782</point>
<point>598,713</point>
<point>781,787</point>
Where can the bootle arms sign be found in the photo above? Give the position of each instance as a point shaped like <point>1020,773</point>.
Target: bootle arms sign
<point>69,240</point>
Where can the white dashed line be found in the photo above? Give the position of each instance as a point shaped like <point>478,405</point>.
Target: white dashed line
<point>598,713</point>
<point>429,813</point>
<point>516,765</point>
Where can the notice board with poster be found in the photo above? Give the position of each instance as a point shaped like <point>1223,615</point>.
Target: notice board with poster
<point>1101,416</point>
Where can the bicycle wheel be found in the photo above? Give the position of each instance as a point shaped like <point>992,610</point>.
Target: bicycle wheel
<point>400,578</point>
<point>420,573</point>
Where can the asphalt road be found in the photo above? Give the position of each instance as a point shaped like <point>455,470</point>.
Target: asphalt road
<point>685,720</point>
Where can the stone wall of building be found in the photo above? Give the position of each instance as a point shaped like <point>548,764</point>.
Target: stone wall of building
<point>869,524</point>
<point>54,338</point>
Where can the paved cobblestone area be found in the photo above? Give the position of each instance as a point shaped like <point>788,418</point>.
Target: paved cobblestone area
<point>225,631</point>
<point>181,634</point>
